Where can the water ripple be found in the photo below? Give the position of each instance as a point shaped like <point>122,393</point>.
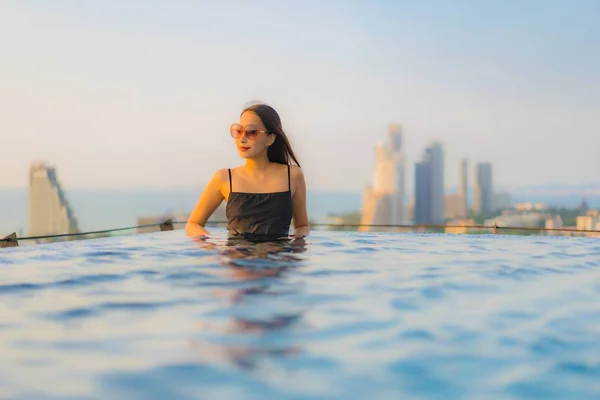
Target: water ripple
<point>336,316</point>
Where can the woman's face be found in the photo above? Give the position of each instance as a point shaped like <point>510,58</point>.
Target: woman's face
<point>250,136</point>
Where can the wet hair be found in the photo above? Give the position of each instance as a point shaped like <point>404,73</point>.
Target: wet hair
<point>281,150</point>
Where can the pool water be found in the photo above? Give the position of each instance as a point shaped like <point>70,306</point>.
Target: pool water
<point>337,316</point>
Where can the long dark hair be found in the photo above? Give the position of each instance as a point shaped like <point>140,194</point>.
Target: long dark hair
<point>281,150</point>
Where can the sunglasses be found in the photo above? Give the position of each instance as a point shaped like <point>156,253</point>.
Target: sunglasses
<point>251,131</point>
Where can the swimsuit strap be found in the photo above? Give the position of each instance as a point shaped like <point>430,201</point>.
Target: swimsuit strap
<point>230,189</point>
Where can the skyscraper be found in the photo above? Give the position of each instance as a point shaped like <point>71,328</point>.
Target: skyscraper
<point>398,208</point>
<point>423,212</point>
<point>429,186</point>
<point>437,182</point>
<point>463,188</point>
<point>49,211</point>
<point>383,202</point>
<point>484,192</point>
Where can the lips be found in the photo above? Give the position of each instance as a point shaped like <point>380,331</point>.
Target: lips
<point>244,148</point>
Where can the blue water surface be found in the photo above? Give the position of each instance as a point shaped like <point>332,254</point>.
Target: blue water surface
<point>337,316</point>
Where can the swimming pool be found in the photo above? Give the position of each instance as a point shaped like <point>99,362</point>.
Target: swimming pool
<point>343,315</point>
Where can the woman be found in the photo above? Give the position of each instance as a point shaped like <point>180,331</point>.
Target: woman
<point>264,195</point>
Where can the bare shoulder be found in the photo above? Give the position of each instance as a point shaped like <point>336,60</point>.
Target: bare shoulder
<point>296,173</point>
<point>219,179</point>
<point>221,175</point>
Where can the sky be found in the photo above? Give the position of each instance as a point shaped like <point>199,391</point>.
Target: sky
<point>120,93</point>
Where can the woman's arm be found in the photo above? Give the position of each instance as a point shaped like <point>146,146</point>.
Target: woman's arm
<point>207,203</point>
<point>300,215</point>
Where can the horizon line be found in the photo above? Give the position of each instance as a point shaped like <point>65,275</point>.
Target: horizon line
<point>201,187</point>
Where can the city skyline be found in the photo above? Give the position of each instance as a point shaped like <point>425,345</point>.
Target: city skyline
<point>140,85</point>
<point>104,209</point>
<point>383,200</point>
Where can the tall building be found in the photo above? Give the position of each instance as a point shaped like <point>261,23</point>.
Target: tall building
<point>453,206</point>
<point>437,182</point>
<point>463,187</point>
<point>49,211</point>
<point>423,213</point>
<point>429,187</point>
<point>383,202</point>
<point>484,192</point>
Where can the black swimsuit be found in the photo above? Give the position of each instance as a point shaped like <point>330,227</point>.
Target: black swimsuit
<point>259,214</point>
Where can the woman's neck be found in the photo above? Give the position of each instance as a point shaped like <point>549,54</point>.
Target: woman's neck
<point>257,165</point>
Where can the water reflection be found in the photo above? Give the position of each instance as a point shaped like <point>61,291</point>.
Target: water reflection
<point>259,303</point>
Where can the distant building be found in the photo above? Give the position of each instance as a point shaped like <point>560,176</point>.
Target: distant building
<point>217,216</point>
<point>524,206</point>
<point>459,225</point>
<point>429,187</point>
<point>437,182</point>
<point>554,222</point>
<point>532,219</point>
<point>530,206</point>
<point>501,201</point>
<point>49,210</point>
<point>454,205</point>
<point>484,192</point>
<point>383,201</point>
<point>422,214</point>
<point>410,212</point>
<point>587,222</point>
<point>368,208</point>
<point>463,188</point>
<point>158,219</point>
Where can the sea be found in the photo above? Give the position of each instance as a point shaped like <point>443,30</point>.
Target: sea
<point>98,209</point>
